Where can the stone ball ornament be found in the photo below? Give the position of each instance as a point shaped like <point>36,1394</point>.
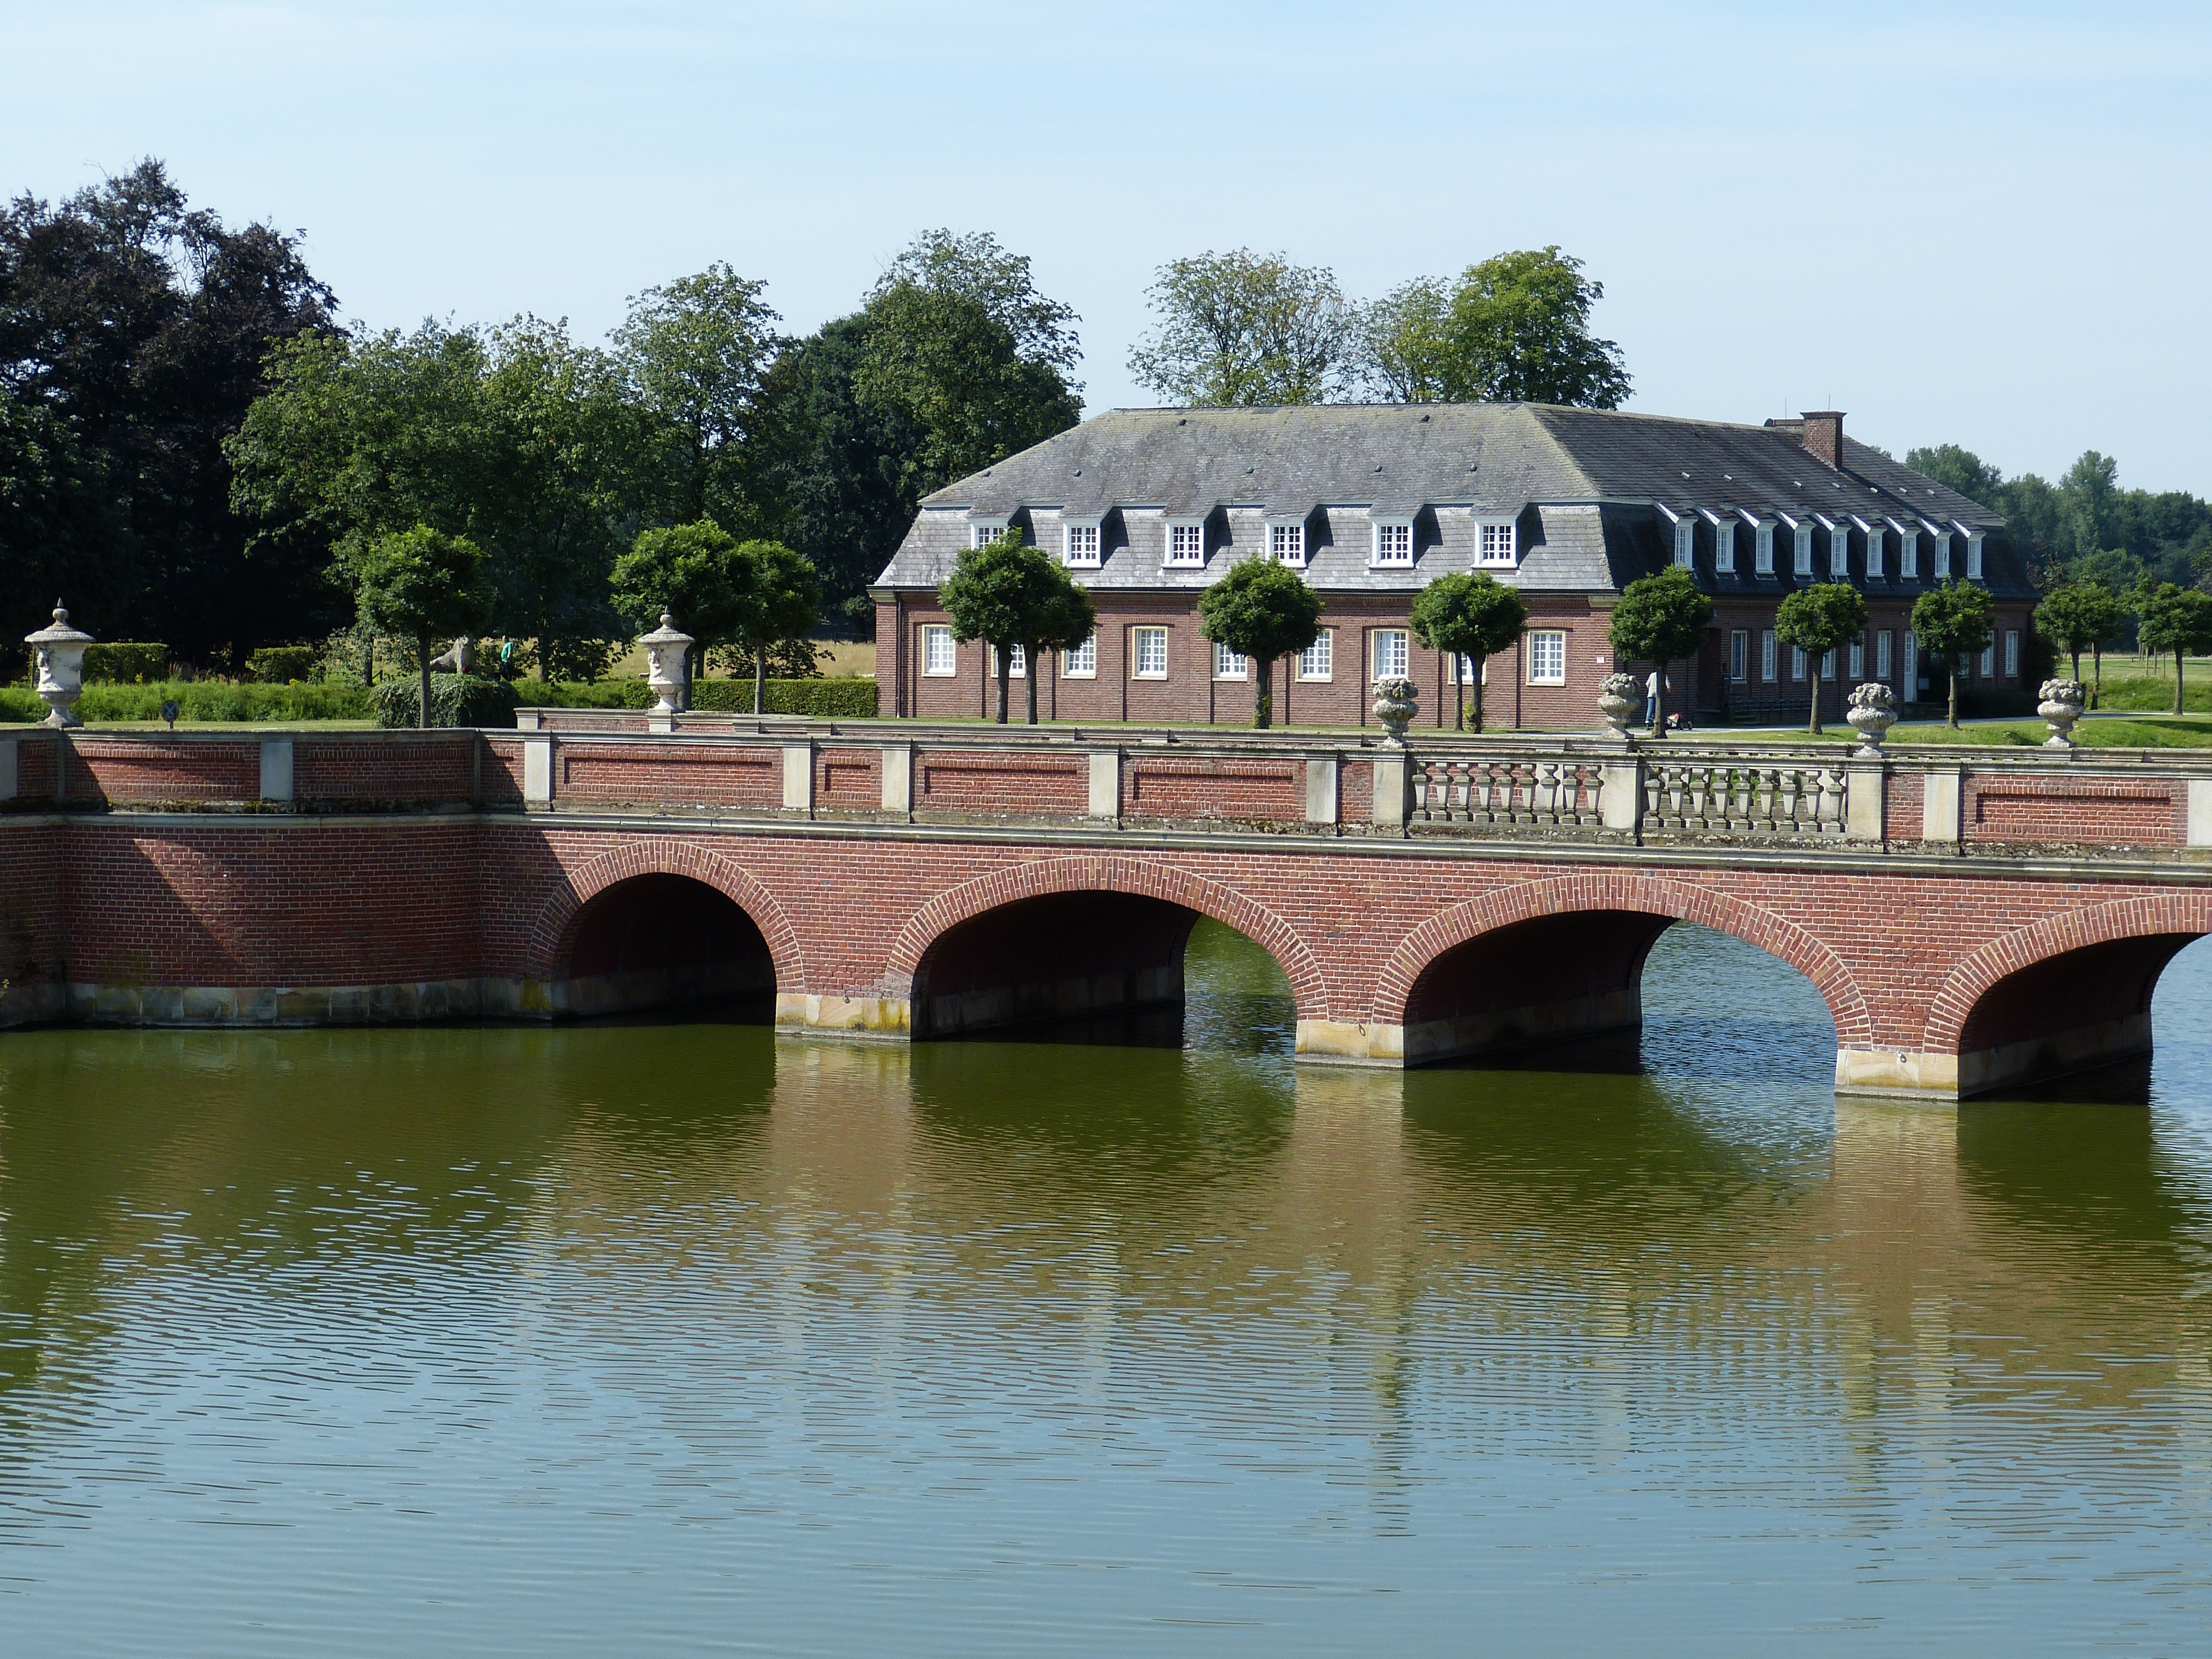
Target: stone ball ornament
<point>60,666</point>
<point>2060,702</point>
<point>1396,701</point>
<point>1872,712</point>
<point>1620,700</point>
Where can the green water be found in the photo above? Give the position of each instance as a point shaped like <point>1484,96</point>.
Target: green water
<point>664,1338</point>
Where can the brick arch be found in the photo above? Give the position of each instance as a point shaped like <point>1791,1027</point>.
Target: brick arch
<point>1141,879</point>
<point>555,929</point>
<point>1651,894</point>
<point>2053,936</point>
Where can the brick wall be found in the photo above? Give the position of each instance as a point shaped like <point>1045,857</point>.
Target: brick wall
<point>2103,812</point>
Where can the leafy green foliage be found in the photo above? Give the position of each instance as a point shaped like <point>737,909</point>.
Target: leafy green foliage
<point>2178,620</point>
<point>694,351</point>
<point>278,664</point>
<point>1658,619</point>
<point>1005,594</point>
<point>1819,619</point>
<point>1469,614</point>
<point>455,700</point>
<point>201,700</point>
<point>2080,615</point>
<point>1953,622</point>
<point>783,600</point>
<point>423,584</point>
<point>694,573</point>
<point>128,661</point>
<point>1514,329</point>
<point>1261,611</point>
<point>1241,328</point>
<point>824,699</point>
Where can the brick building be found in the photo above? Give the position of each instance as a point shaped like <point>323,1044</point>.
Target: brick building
<point>1147,507</point>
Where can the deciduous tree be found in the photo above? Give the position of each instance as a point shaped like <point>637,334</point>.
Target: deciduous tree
<point>781,602</point>
<point>1245,328</point>
<point>693,351</point>
<point>1953,620</point>
<point>1658,619</point>
<point>1818,619</point>
<point>422,585</point>
<point>1262,611</point>
<point>1513,329</point>
<point>1007,595</point>
<point>1469,615</point>
<point>2078,616</point>
<point>695,573</point>
<point>2177,619</point>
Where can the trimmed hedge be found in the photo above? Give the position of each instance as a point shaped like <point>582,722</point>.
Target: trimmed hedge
<point>821,699</point>
<point>277,665</point>
<point>200,700</point>
<point>126,662</point>
<point>455,700</point>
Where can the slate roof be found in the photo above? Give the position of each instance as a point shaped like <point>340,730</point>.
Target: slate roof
<point>1584,484</point>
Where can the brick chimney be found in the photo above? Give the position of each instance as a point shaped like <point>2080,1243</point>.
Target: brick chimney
<point>1823,434</point>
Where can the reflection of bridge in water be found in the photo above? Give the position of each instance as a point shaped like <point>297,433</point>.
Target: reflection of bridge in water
<point>1973,924</point>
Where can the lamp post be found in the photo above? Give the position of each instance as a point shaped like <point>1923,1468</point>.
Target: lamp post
<point>61,667</point>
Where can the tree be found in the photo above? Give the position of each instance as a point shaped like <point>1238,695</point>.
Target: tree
<point>2078,616</point>
<point>423,584</point>
<point>1261,611</point>
<point>1005,594</point>
<point>1657,619</point>
<point>1470,614</point>
<point>2177,619</point>
<point>1246,329</point>
<point>1518,331</point>
<point>1818,619</point>
<point>1408,345</point>
<point>1960,469</point>
<point>782,598</point>
<point>1953,620</point>
<point>693,351</point>
<point>696,573</point>
<point>1062,622</point>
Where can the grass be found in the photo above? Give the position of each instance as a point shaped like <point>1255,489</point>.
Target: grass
<point>2095,732</point>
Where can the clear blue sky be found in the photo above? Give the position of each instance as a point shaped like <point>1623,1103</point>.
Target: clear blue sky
<point>1977,223</point>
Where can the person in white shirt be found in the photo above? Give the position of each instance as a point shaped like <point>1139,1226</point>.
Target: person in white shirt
<point>1652,687</point>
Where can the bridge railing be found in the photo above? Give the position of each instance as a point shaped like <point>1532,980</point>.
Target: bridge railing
<point>1447,786</point>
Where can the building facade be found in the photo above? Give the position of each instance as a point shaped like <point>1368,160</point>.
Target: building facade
<point>1371,502</point>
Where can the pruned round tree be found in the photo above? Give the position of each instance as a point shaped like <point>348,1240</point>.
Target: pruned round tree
<point>1261,611</point>
<point>422,585</point>
<point>2177,619</point>
<point>1660,618</point>
<point>1007,595</point>
<point>695,573</point>
<point>1471,615</point>
<point>2078,616</point>
<point>1061,623</point>
<point>1953,622</point>
<point>783,600</point>
<point>1818,619</point>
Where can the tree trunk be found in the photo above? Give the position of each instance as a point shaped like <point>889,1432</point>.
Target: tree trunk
<point>2077,668</point>
<point>423,657</point>
<point>1459,697</point>
<point>368,660</point>
<point>1005,674</point>
<point>1477,702</point>
<point>1815,677</point>
<point>1955,692</point>
<point>1030,655</point>
<point>2097,658</point>
<point>760,679</point>
<point>1263,706</point>
<point>2180,657</point>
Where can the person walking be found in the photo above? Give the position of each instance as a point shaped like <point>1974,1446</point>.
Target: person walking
<point>1652,687</point>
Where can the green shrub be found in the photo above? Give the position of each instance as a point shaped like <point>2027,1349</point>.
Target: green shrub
<point>579,693</point>
<point>837,700</point>
<point>277,665</point>
<point>19,703</point>
<point>455,700</point>
<point>126,662</point>
<point>203,699</point>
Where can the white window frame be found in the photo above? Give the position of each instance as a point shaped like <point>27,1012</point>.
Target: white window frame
<point>1496,543</point>
<point>1399,649</point>
<point>1286,543</point>
<point>1839,551</point>
<point>1230,664</point>
<point>1195,529</point>
<point>1859,660</point>
<point>1092,529</point>
<point>1723,543</point>
<point>1908,556</point>
<point>1018,668</point>
<point>1392,530</point>
<point>1770,659</point>
<point>1974,557</point>
<point>1686,543</point>
<point>1082,663</point>
<point>1828,664</point>
<point>1547,656</point>
<point>1804,560</point>
<point>981,532</point>
<point>1740,656</point>
<point>1877,553</point>
<point>1989,660</point>
<point>1139,649</point>
<point>1885,649</point>
<point>1796,662</point>
<point>934,635</point>
<point>1942,566</point>
<point>1911,666</point>
<point>1762,548</point>
<point>2012,653</point>
<point>1471,672</point>
<point>1317,662</point>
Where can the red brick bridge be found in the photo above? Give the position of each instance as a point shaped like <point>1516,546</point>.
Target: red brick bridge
<point>1976,919</point>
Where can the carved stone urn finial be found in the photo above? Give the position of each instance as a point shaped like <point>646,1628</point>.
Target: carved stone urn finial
<point>61,667</point>
<point>2061,702</point>
<point>665,650</point>
<point>1396,701</point>
<point>1873,711</point>
<point>1620,700</point>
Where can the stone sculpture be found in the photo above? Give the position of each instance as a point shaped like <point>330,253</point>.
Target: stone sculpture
<point>459,658</point>
<point>1396,701</point>
<point>61,667</point>
<point>665,650</point>
<point>1872,712</point>
<point>2061,702</point>
<point>1620,699</point>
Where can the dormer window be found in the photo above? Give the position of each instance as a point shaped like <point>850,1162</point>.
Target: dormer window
<point>1286,544</point>
<point>984,531</point>
<point>1686,543</point>
<point>1762,548</point>
<point>1877,549</point>
<point>1804,555</point>
<point>1974,557</point>
<point>1839,551</point>
<point>1942,558</point>
<point>1187,541</point>
<point>1494,543</point>
<point>1394,541</point>
<point>1723,543</point>
<point>1908,556</point>
<point>1083,543</point>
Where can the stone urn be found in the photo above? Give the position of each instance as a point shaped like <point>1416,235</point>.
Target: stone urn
<point>61,667</point>
<point>2061,702</point>
<point>1621,699</point>
<point>1872,712</point>
<point>665,649</point>
<point>1396,701</point>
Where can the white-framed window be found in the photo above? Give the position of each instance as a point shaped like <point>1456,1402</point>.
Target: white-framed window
<point>1762,549</point>
<point>1547,657</point>
<point>1942,558</point>
<point>1017,662</point>
<point>1318,660</point>
<point>1471,672</point>
<point>1859,660</point>
<point>1840,550</point>
<point>1796,662</point>
<point>1988,661</point>
<point>1740,655</point>
<point>1286,544</point>
<point>1724,546</point>
<point>1394,541</point>
<point>1877,552</point>
<point>1390,652</point>
<point>1148,653</point>
<point>1187,541</point>
<point>1768,664</point>
<point>940,657</point>
<point>1804,566</point>
<point>1083,544</point>
<point>2012,653</point>
<point>1908,558</point>
<point>1686,543</point>
<point>983,531</point>
<point>1974,557</point>
<point>1911,666</point>
<point>1495,543</point>
<point>1082,663</point>
<point>1828,664</point>
<point>1883,643</point>
<point>1227,664</point>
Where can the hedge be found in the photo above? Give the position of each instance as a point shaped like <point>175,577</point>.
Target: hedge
<point>822,699</point>
<point>455,700</point>
<point>200,700</point>
<point>276,664</point>
<point>126,662</point>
